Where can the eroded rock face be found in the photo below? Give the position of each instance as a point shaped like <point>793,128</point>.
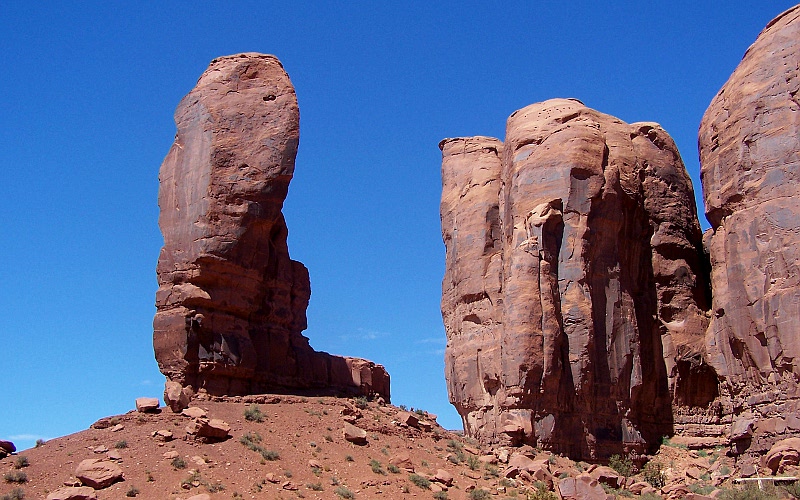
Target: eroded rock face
<point>749,143</point>
<point>574,297</point>
<point>231,303</point>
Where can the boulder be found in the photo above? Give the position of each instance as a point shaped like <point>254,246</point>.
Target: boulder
<point>354,434</point>
<point>214,428</point>
<point>444,477</point>
<point>146,405</point>
<point>407,418</point>
<point>783,454</point>
<point>749,141</point>
<point>231,303</point>
<point>582,487</point>
<point>402,460</point>
<point>73,493</point>
<point>98,473</point>
<point>193,412</point>
<point>575,294</point>
<point>6,448</point>
<point>608,476</point>
<point>176,396</point>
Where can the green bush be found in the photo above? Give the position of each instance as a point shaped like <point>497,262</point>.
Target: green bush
<point>393,469</point>
<point>252,440</point>
<point>473,462</point>
<point>179,463</point>
<point>654,474</point>
<point>121,445</point>
<point>420,481</point>
<point>315,486</point>
<point>542,492</point>
<point>622,465</point>
<point>253,413</point>
<point>15,494</point>
<point>749,492</point>
<point>479,494</point>
<point>16,477</point>
<point>22,461</point>
<point>344,492</point>
<point>361,402</point>
<point>376,467</point>
<point>440,495</point>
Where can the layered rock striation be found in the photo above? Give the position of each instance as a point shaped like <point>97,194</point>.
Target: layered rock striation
<point>231,303</point>
<point>575,287</point>
<point>749,143</point>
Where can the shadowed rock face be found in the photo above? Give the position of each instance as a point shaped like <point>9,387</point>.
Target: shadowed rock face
<point>750,169</point>
<point>574,296</point>
<point>231,304</point>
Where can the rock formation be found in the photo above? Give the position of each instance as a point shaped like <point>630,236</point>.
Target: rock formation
<point>578,299</point>
<point>231,304</point>
<point>575,287</point>
<point>749,144</point>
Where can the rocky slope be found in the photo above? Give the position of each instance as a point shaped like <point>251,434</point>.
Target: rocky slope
<point>582,311</point>
<point>292,447</point>
<point>231,303</point>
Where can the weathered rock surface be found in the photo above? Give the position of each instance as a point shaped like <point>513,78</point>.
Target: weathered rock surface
<point>73,493</point>
<point>749,142</point>
<point>782,454</point>
<point>146,405</point>
<point>98,474</point>
<point>6,447</point>
<point>231,304</point>
<point>209,428</point>
<point>574,297</point>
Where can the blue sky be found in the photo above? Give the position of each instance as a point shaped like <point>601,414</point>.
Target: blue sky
<point>86,103</point>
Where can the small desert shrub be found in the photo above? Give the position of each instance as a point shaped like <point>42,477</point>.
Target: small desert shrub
<point>376,467</point>
<point>315,486</point>
<point>654,474</point>
<point>479,494</point>
<point>179,463</point>
<point>316,471</point>
<point>348,458</point>
<point>440,495</point>
<point>132,491</point>
<point>541,492</point>
<point>22,461</point>
<point>792,489</point>
<point>252,440</point>
<point>343,492</point>
<point>650,496</point>
<point>40,442</point>
<point>424,463</point>
<point>622,465</point>
<point>149,476</point>
<point>18,477</point>
<point>700,488</point>
<point>215,488</point>
<point>702,453</point>
<point>329,438</point>
<point>749,492</point>
<point>420,481</point>
<point>724,470</point>
<point>15,494</point>
<point>491,471</point>
<point>253,413</point>
<point>667,442</point>
<point>473,462</point>
<point>393,469</point>
<point>288,473</point>
<point>361,402</point>
<point>453,445</point>
<point>121,445</point>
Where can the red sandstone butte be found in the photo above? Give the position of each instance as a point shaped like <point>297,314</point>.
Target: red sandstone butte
<point>231,303</point>
<point>574,296</point>
<point>749,142</point>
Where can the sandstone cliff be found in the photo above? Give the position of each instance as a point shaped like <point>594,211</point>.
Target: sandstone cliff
<point>749,144</point>
<point>231,304</point>
<point>575,293</point>
<point>577,298</point>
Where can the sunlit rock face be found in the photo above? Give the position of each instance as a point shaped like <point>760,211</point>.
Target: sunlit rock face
<point>750,169</point>
<point>575,286</point>
<point>231,303</point>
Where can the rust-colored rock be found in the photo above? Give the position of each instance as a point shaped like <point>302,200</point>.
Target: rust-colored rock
<point>73,493</point>
<point>97,473</point>
<point>231,304</point>
<point>749,143</point>
<point>574,296</point>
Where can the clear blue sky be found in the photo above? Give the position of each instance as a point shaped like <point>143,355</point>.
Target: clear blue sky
<point>86,103</point>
